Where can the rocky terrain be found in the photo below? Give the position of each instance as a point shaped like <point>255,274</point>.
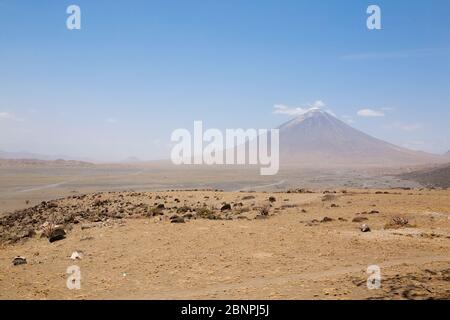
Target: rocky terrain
<point>292,244</point>
<point>112,206</point>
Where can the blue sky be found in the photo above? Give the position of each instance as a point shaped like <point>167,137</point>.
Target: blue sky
<point>137,70</point>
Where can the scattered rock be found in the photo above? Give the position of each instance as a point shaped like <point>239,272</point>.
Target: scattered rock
<point>272,199</point>
<point>176,219</point>
<point>326,219</point>
<point>248,197</point>
<point>359,219</point>
<point>188,216</point>
<point>77,255</point>
<point>225,207</point>
<point>57,234</point>
<point>19,260</point>
<point>289,206</point>
<point>365,228</point>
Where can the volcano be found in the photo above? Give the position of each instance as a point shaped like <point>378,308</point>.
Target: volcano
<point>317,138</point>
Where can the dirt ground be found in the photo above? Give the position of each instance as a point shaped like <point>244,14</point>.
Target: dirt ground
<point>241,253</point>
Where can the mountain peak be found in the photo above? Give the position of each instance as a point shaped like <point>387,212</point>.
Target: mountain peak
<point>317,136</point>
<point>309,114</point>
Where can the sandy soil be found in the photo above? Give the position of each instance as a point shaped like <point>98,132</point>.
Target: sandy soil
<point>294,253</point>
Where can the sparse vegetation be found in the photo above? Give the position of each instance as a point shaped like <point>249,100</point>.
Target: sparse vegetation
<point>397,222</point>
<point>264,210</point>
<point>329,197</point>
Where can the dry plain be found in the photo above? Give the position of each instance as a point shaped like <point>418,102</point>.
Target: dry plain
<point>270,243</point>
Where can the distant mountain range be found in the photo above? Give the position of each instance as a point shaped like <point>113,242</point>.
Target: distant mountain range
<point>24,155</point>
<point>18,163</point>
<point>317,138</point>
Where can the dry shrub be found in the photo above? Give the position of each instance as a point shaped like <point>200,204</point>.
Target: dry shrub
<point>206,213</point>
<point>397,222</point>
<point>184,209</point>
<point>329,197</point>
<point>155,211</point>
<point>264,210</point>
<point>49,226</point>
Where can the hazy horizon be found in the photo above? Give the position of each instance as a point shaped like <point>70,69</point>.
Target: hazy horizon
<point>138,70</point>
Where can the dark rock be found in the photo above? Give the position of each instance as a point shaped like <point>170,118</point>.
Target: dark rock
<point>57,234</point>
<point>272,199</point>
<point>176,219</point>
<point>225,207</point>
<point>19,260</point>
<point>326,219</point>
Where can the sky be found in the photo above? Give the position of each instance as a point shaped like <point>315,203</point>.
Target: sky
<point>137,70</point>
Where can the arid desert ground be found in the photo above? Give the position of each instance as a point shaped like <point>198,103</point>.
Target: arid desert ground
<point>140,236</point>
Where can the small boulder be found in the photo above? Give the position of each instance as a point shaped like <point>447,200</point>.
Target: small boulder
<point>19,260</point>
<point>365,228</point>
<point>272,199</point>
<point>176,219</point>
<point>56,235</point>
<point>359,219</point>
<point>77,255</point>
<point>260,217</point>
<point>225,207</point>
